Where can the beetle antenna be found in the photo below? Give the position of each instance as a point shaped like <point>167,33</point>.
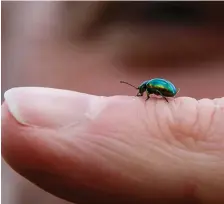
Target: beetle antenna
<point>124,82</point>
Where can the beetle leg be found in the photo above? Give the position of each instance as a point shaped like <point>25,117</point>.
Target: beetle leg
<point>162,95</point>
<point>147,96</point>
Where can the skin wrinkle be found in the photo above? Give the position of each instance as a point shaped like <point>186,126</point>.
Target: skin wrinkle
<point>156,118</point>
<point>209,124</point>
<point>118,135</point>
<point>196,148</point>
<point>116,138</point>
<point>106,137</point>
<point>96,157</point>
<point>102,141</point>
<point>76,124</point>
<point>100,151</point>
<point>183,143</point>
<point>157,143</point>
<point>98,146</point>
<point>98,131</point>
<point>187,147</point>
<point>151,131</point>
<point>61,144</point>
<point>95,130</point>
<point>170,122</point>
<point>181,152</point>
<point>211,149</point>
<point>124,158</point>
<point>165,120</point>
<point>186,128</point>
<point>212,117</point>
<point>195,126</point>
<point>190,156</point>
<point>217,138</point>
<point>69,144</point>
<point>173,134</point>
<point>171,125</point>
<point>83,152</point>
<point>209,130</point>
<point>122,136</point>
<point>167,151</point>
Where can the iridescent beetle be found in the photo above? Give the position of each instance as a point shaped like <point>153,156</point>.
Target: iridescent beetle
<point>157,86</point>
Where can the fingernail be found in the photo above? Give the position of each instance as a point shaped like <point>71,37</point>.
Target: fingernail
<point>46,107</point>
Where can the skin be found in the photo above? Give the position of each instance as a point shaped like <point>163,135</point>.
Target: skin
<point>164,156</point>
<point>85,148</point>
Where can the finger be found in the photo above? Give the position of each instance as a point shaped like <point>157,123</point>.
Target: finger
<point>120,149</point>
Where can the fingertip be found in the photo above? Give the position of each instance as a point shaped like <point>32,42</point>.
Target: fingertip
<point>46,107</point>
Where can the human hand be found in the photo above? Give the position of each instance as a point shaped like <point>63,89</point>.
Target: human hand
<point>120,149</point>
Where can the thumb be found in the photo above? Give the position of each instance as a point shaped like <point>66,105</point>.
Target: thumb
<point>116,149</point>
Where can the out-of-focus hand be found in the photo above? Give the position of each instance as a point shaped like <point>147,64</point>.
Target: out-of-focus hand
<point>91,149</point>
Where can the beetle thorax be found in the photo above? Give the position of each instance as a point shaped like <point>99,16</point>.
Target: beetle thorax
<point>142,88</point>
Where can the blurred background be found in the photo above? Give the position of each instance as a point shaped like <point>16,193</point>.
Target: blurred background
<point>90,46</point>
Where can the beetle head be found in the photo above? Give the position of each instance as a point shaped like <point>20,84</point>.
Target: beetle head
<point>142,88</point>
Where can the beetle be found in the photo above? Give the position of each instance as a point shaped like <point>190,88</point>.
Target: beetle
<point>157,86</point>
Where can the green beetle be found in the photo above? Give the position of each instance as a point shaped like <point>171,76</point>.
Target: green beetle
<point>157,86</point>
